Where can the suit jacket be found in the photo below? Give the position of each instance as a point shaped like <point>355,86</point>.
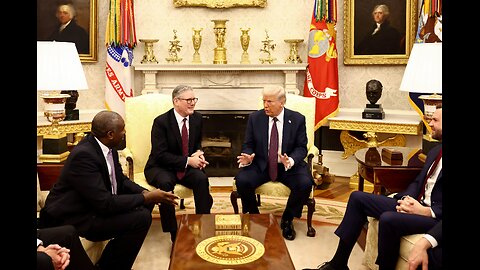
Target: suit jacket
<point>385,41</point>
<point>73,33</point>
<point>83,189</point>
<point>294,141</point>
<point>167,141</point>
<point>416,186</point>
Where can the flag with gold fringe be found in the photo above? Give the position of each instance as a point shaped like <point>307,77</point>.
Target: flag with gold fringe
<point>429,30</point>
<point>321,79</point>
<point>120,40</point>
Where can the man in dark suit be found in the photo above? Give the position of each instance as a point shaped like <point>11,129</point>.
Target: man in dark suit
<point>68,30</point>
<point>415,210</point>
<point>94,195</point>
<point>287,165</point>
<point>179,160</point>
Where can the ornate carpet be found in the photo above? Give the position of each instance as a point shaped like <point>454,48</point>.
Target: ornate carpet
<point>325,210</point>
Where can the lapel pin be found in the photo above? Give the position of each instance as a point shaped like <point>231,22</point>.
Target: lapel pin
<point>289,121</point>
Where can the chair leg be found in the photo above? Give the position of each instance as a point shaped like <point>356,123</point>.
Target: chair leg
<point>259,203</point>
<point>311,208</point>
<point>233,200</point>
<point>182,203</point>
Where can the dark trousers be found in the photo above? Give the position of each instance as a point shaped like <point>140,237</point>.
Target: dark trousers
<point>392,225</point>
<point>194,179</point>
<point>65,236</point>
<point>298,180</point>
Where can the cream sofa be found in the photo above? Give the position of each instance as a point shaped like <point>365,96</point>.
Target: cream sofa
<point>94,249</point>
<point>371,247</point>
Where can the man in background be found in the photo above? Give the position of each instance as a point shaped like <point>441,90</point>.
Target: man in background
<point>68,30</point>
<point>176,156</point>
<point>274,149</point>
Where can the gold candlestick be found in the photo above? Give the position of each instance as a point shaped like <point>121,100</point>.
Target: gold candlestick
<point>293,58</point>
<point>220,52</point>
<point>268,47</point>
<point>197,41</point>
<point>149,57</point>
<point>245,41</point>
<point>174,49</point>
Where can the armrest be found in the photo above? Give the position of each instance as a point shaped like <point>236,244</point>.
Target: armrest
<point>129,157</point>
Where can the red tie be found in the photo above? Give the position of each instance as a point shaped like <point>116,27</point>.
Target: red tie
<point>180,174</point>
<point>429,173</point>
<point>273,152</point>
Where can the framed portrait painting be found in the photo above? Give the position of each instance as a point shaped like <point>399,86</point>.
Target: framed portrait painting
<point>69,21</point>
<point>379,32</point>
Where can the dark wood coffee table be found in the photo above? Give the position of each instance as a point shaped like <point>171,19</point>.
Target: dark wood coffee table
<point>264,228</point>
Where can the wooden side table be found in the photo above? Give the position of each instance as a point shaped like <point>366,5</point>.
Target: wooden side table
<point>386,176</point>
<point>48,174</point>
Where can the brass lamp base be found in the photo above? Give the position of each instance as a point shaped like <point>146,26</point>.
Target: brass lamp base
<point>430,103</point>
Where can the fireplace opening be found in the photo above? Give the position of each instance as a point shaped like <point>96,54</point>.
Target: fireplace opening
<point>222,138</point>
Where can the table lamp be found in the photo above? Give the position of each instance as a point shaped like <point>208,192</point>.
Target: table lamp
<point>423,74</point>
<point>58,69</point>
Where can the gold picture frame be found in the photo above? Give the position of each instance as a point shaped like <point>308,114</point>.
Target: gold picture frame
<point>219,3</point>
<point>86,18</point>
<point>358,23</point>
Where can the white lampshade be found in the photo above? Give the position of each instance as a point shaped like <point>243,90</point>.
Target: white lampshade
<point>59,67</point>
<point>423,73</point>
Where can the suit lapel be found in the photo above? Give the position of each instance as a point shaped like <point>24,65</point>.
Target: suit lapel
<point>264,122</point>
<point>174,126</point>
<point>287,127</point>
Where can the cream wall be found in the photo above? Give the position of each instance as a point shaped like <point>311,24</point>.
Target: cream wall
<point>283,19</point>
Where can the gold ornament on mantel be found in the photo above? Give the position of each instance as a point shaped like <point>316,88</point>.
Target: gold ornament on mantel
<point>293,58</point>
<point>220,52</point>
<point>149,57</point>
<point>197,41</point>
<point>174,49</point>
<point>245,41</point>
<point>268,48</point>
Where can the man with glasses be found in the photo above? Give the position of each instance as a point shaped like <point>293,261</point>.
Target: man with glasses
<point>176,156</point>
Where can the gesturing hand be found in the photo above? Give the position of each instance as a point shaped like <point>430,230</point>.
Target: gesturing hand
<point>245,159</point>
<point>160,196</point>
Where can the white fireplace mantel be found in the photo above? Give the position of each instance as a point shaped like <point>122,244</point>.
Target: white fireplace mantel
<point>161,76</point>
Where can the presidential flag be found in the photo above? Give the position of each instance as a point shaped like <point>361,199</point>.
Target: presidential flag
<point>429,30</point>
<point>321,79</point>
<point>120,39</point>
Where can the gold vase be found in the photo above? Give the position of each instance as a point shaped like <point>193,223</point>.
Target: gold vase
<point>197,41</point>
<point>245,41</point>
<point>220,52</point>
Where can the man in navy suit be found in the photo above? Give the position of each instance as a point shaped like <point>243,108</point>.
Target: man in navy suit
<point>169,163</point>
<point>415,210</point>
<point>99,200</point>
<point>291,168</point>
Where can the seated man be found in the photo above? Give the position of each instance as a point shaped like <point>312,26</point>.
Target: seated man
<point>94,196</point>
<point>59,247</point>
<point>274,149</point>
<point>176,156</point>
<point>415,210</point>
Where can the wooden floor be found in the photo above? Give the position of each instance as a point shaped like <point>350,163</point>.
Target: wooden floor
<point>337,191</point>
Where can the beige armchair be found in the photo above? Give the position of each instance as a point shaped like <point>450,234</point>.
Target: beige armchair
<point>140,111</point>
<point>94,249</point>
<point>306,106</point>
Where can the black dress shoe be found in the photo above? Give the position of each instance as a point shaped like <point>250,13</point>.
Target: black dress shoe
<point>288,231</point>
<point>173,236</point>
